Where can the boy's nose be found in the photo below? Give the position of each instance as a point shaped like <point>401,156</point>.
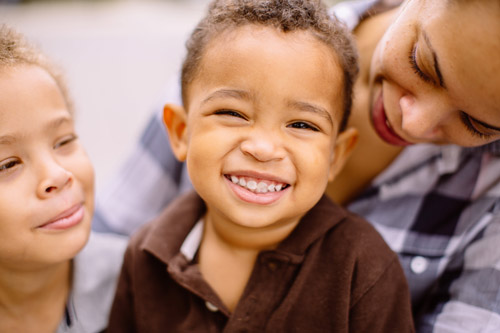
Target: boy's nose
<point>53,179</point>
<point>422,120</point>
<point>263,146</point>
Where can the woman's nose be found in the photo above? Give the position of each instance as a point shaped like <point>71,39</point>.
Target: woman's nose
<point>263,146</point>
<point>53,178</point>
<point>423,119</point>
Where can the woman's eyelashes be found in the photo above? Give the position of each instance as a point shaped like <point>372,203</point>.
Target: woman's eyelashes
<point>414,65</point>
<point>469,123</point>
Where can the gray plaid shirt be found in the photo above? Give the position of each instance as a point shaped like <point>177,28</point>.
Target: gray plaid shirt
<point>438,207</point>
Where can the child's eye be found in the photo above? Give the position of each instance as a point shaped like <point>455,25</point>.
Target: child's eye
<point>303,125</point>
<point>229,113</point>
<point>8,164</point>
<point>65,140</point>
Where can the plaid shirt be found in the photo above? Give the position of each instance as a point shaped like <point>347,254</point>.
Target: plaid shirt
<point>438,207</point>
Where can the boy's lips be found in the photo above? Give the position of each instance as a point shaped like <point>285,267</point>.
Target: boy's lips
<point>67,219</point>
<point>382,125</point>
<point>256,189</point>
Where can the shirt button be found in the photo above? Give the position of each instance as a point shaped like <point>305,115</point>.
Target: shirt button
<point>211,307</point>
<point>419,264</point>
<point>272,266</point>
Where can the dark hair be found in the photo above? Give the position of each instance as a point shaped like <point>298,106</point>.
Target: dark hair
<point>284,15</point>
<point>15,50</point>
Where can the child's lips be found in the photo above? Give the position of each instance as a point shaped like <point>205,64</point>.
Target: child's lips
<point>382,126</point>
<point>257,189</point>
<point>66,219</point>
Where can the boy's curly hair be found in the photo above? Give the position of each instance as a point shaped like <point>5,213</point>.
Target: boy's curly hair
<point>284,15</point>
<point>15,50</point>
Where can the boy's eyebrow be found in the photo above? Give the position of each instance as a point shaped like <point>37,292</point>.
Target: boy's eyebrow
<point>308,107</point>
<point>223,93</point>
<point>6,139</point>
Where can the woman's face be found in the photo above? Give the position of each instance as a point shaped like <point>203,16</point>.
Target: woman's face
<point>435,75</point>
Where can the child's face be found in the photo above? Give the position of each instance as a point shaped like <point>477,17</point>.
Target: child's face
<point>46,179</point>
<point>262,125</point>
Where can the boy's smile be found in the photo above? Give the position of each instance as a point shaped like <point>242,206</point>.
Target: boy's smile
<point>262,121</point>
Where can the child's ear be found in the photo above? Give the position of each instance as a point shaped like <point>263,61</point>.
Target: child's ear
<point>344,145</point>
<point>174,118</point>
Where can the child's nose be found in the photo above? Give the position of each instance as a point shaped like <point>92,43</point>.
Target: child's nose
<point>53,178</point>
<point>263,145</point>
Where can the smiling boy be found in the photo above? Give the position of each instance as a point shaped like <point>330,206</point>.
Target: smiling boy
<point>266,93</point>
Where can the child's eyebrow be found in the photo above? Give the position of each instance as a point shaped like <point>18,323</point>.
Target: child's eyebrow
<point>224,93</point>
<point>7,139</point>
<point>51,125</point>
<point>308,107</point>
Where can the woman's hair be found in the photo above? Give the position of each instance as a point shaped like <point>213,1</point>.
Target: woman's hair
<point>15,50</point>
<point>284,15</point>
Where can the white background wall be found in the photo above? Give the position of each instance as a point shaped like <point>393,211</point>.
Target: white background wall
<point>118,56</point>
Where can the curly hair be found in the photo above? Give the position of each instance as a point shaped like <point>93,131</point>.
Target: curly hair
<point>15,50</point>
<point>285,16</point>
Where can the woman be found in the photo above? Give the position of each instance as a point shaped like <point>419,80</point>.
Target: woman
<point>426,169</point>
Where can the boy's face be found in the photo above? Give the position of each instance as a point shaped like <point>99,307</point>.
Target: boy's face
<point>46,179</point>
<point>262,126</point>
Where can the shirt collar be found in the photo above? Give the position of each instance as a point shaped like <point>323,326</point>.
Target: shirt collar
<point>179,228</point>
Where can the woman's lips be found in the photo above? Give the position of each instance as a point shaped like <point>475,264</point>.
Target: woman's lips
<point>382,126</point>
<point>66,219</point>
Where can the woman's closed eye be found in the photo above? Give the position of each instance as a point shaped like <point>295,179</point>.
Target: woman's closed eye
<point>476,127</point>
<point>416,68</point>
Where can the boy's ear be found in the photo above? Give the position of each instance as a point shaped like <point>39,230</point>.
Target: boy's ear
<point>174,118</point>
<point>344,145</point>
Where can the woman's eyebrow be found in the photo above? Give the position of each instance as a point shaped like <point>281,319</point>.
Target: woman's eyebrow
<point>435,60</point>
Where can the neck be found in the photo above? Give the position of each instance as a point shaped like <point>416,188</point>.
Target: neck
<point>33,300</point>
<point>228,252</point>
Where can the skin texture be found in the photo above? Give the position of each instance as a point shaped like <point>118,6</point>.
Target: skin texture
<point>45,176</point>
<point>265,107</point>
<point>430,106</point>
<point>417,108</point>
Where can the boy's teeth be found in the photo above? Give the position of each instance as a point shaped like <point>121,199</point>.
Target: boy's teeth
<point>260,187</point>
<point>252,185</point>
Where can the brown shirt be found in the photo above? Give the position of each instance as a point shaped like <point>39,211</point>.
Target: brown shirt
<point>333,273</point>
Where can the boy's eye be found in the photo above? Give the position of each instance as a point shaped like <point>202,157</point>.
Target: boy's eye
<point>65,140</point>
<point>9,164</point>
<point>303,125</point>
<point>229,113</point>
